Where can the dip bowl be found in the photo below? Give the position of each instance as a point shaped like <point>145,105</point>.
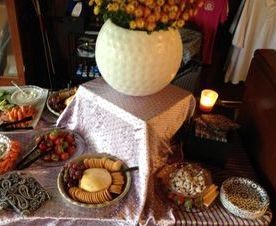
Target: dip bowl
<point>30,95</point>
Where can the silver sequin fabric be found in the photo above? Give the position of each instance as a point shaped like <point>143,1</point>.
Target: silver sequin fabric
<point>135,129</point>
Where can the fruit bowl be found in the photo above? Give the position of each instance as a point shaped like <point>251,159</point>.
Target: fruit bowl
<point>93,199</point>
<point>67,145</point>
<point>53,147</point>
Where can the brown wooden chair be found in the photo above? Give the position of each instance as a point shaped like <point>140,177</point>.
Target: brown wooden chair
<point>258,117</point>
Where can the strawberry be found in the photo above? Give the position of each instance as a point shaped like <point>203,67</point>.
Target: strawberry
<point>42,146</point>
<point>70,138</point>
<point>64,156</point>
<point>71,150</point>
<point>53,135</point>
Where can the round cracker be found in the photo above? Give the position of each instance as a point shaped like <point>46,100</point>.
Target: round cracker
<point>116,166</point>
<point>116,189</point>
<point>85,162</point>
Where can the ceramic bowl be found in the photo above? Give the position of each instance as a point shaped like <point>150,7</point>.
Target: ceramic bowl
<point>244,198</point>
<point>32,95</point>
<point>4,146</point>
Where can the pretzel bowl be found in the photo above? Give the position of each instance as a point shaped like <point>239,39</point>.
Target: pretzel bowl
<point>94,181</point>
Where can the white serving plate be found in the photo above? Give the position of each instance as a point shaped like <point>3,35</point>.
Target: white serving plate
<point>39,105</point>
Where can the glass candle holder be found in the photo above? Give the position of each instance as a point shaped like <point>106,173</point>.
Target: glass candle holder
<point>208,99</point>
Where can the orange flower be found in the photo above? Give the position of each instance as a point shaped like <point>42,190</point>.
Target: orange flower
<point>185,15</point>
<point>148,15</point>
<point>140,23</point>
<point>98,2</point>
<point>138,12</point>
<point>164,18</point>
<point>160,2</point>
<point>172,15</point>
<point>150,26</point>
<point>171,2</point>
<point>174,8</point>
<point>147,11</point>
<point>166,8</point>
<point>132,24</point>
<point>180,23</point>
<point>130,8</point>
<point>96,10</point>
<point>148,2</point>
<point>90,3</point>
<point>157,16</point>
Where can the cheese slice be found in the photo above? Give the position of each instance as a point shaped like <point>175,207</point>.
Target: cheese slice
<point>95,179</point>
<point>211,189</point>
<point>69,100</point>
<point>210,197</point>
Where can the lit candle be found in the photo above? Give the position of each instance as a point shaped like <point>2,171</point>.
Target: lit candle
<point>208,99</point>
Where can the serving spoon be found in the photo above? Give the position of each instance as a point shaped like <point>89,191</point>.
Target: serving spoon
<point>21,90</point>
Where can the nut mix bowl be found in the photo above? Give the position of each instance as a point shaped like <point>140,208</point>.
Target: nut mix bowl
<point>244,198</point>
<point>94,181</point>
<point>183,185</point>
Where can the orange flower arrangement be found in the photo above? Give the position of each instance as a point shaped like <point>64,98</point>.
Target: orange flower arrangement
<point>147,15</point>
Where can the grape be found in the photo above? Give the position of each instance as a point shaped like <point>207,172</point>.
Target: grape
<point>74,165</point>
<point>72,174</point>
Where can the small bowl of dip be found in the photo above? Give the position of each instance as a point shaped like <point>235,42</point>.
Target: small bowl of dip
<point>30,95</point>
<point>4,145</point>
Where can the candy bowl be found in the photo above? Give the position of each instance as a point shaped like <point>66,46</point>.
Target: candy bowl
<point>94,181</point>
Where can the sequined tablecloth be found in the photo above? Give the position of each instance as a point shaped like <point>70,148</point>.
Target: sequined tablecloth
<point>137,130</point>
<point>139,137</point>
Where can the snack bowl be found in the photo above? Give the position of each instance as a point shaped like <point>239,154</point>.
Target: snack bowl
<point>188,177</point>
<point>30,95</point>
<point>172,184</point>
<point>115,197</point>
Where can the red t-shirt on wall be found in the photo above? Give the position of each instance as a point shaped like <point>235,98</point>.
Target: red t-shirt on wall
<point>209,16</point>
